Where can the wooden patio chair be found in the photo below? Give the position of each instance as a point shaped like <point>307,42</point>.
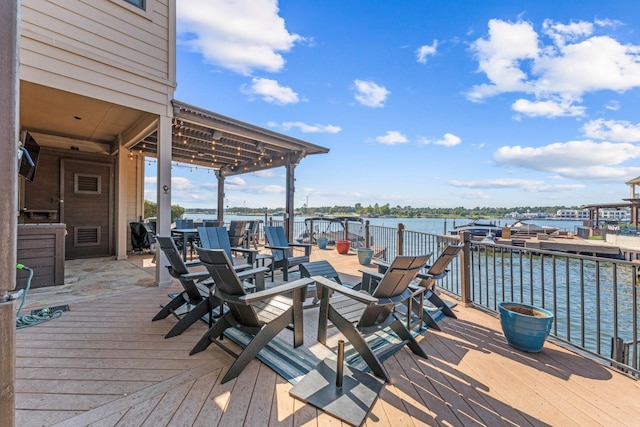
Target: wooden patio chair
<point>357,313</point>
<point>281,250</point>
<point>251,235</point>
<point>428,279</point>
<point>218,238</point>
<point>237,232</point>
<point>194,301</point>
<point>262,314</point>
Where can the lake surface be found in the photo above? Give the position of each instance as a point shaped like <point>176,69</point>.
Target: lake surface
<point>425,225</point>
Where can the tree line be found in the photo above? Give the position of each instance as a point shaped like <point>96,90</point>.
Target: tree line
<point>387,210</point>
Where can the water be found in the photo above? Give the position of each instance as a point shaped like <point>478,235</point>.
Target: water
<point>424,225</point>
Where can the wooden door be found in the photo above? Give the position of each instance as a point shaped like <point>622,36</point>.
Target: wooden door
<point>86,191</point>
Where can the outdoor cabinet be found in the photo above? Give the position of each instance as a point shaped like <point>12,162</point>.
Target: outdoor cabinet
<point>41,248</point>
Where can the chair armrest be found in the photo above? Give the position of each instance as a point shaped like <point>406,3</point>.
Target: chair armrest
<point>252,272</point>
<point>194,276</point>
<point>382,266</point>
<point>356,295</point>
<point>244,250</point>
<point>428,276</point>
<point>370,279</point>
<point>307,247</point>
<point>285,249</point>
<point>277,290</point>
<point>242,267</point>
<point>280,248</point>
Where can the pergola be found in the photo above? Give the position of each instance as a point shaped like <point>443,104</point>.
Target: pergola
<point>229,147</point>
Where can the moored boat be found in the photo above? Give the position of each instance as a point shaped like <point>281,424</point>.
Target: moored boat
<point>478,227</point>
<point>525,228</point>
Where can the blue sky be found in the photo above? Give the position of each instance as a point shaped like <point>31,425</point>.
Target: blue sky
<point>422,103</point>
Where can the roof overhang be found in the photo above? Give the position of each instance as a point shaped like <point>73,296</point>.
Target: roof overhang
<point>207,139</point>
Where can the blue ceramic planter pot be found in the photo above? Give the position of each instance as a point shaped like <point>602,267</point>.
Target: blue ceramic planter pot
<point>322,242</point>
<point>364,255</point>
<point>525,327</point>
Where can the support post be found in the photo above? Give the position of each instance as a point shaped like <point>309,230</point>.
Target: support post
<point>340,364</point>
<point>163,225</point>
<point>289,208</point>
<point>220,176</point>
<point>465,269</point>
<point>9,110</point>
<point>400,239</point>
<point>367,234</point>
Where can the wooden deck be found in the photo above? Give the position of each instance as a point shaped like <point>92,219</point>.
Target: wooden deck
<point>104,363</point>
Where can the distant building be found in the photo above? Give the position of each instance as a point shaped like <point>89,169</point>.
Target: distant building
<point>573,213</point>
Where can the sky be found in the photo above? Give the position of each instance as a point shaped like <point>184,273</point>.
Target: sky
<point>432,103</point>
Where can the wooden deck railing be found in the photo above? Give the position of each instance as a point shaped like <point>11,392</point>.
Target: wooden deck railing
<point>594,299</point>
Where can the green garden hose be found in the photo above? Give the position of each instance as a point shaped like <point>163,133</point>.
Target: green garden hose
<point>39,317</point>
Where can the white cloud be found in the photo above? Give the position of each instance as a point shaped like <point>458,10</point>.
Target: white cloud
<point>562,33</point>
<point>583,160</point>
<point>500,55</point>
<point>181,184</point>
<point>392,137</point>
<point>270,91</point>
<point>548,108</point>
<point>425,51</point>
<point>240,35</point>
<point>515,58</point>
<point>311,128</point>
<point>522,184</point>
<point>612,130</point>
<point>370,94</point>
<point>612,105</point>
<point>449,140</point>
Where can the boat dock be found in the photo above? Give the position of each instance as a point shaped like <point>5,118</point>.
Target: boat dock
<point>565,243</point>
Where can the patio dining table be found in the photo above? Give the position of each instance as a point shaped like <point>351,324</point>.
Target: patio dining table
<point>184,235</point>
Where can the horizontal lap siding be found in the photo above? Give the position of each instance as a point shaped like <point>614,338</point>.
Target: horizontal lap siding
<point>97,49</point>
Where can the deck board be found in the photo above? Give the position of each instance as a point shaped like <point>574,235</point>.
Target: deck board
<point>104,363</point>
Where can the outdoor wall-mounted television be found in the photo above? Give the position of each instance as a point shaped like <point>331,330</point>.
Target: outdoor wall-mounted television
<point>30,154</point>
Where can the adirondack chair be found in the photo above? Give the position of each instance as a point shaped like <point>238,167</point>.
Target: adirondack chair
<point>218,238</point>
<point>262,314</point>
<point>356,313</point>
<point>194,301</point>
<point>251,235</point>
<point>237,232</point>
<point>435,272</point>
<point>281,250</point>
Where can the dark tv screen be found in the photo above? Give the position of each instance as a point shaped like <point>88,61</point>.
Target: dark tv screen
<point>28,170</point>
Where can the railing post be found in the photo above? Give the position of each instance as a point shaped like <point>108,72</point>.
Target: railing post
<point>311,232</point>
<point>465,269</point>
<point>400,247</point>
<point>367,241</point>
<point>346,230</point>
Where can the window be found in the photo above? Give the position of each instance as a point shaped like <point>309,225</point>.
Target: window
<point>138,3</point>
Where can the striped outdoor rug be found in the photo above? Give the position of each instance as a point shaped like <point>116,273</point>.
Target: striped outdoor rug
<point>294,363</point>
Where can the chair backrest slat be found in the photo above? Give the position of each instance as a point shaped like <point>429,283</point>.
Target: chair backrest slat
<point>227,281</point>
<point>184,223</point>
<point>444,259</point>
<point>215,238</point>
<point>399,275</point>
<point>276,237</point>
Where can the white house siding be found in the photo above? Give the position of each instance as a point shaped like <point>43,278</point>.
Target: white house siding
<point>100,49</point>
